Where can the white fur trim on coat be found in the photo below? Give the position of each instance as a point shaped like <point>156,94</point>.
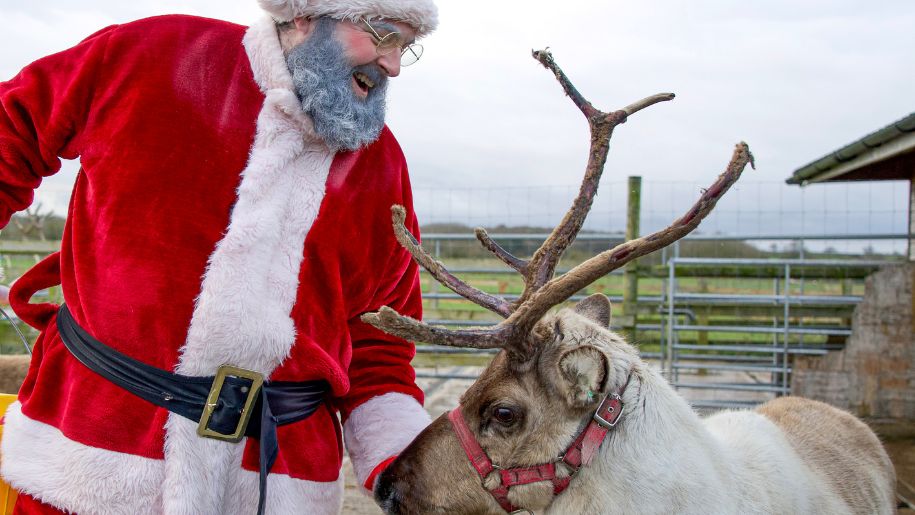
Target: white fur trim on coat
<point>285,495</point>
<point>252,278</point>
<point>380,428</point>
<point>420,14</point>
<point>43,460</point>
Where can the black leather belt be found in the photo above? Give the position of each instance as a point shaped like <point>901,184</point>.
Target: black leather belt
<point>223,404</point>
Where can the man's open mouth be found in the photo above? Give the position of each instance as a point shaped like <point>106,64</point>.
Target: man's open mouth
<point>363,83</point>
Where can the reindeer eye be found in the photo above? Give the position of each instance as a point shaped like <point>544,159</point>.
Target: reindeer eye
<point>505,416</point>
<point>557,332</point>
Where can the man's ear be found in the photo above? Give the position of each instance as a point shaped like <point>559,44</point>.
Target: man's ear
<point>584,370</point>
<point>595,308</point>
<point>304,25</point>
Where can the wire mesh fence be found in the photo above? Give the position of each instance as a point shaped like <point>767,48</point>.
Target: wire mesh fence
<point>752,209</point>
<point>749,209</point>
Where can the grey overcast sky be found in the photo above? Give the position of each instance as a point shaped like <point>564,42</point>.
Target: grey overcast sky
<point>793,78</point>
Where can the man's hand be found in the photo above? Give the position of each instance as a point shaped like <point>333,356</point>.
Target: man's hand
<point>372,480</point>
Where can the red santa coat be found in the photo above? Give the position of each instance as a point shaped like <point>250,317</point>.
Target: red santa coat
<point>209,225</point>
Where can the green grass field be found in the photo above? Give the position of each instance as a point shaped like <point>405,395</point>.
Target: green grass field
<point>510,283</point>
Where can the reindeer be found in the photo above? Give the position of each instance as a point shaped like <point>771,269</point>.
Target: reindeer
<point>569,419</point>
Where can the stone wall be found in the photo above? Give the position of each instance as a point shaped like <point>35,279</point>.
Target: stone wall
<point>874,376</point>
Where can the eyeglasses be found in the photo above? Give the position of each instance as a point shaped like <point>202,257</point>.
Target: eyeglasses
<point>393,40</point>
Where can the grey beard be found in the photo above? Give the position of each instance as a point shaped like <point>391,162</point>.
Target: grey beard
<point>322,78</point>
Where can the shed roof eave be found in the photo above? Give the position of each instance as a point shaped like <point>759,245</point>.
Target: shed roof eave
<point>905,143</point>
<point>860,152</point>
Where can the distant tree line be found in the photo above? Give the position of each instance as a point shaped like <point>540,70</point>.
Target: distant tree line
<point>34,224</point>
<point>38,225</point>
<point>580,250</point>
<point>583,249</point>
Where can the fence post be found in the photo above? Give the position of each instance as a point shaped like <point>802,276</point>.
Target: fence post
<point>910,252</point>
<point>631,277</point>
<point>911,246</point>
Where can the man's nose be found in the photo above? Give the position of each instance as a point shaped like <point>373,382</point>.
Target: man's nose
<point>390,63</point>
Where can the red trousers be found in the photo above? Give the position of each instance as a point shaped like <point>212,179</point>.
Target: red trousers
<point>27,505</point>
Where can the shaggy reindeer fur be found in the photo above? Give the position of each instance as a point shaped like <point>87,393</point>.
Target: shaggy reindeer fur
<point>12,372</point>
<point>789,456</point>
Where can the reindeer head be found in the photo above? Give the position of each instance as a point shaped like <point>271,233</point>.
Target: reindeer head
<point>523,411</point>
<point>555,370</point>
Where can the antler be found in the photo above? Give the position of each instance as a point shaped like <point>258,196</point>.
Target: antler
<point>541,290</point>
<point>540,269</point>
<point>438,270</point>
<point>561,288</point>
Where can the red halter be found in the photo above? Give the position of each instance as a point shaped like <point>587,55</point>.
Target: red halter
<point>577,455</point>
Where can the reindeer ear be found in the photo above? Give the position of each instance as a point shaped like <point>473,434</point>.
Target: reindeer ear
<point>585,371</point>
<point>595,308</point>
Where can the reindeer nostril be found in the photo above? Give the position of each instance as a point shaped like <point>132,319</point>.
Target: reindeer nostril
<point>386,494</point>
<point>383,490</point>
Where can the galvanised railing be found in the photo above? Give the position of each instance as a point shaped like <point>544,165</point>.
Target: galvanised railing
<point>762,370</point>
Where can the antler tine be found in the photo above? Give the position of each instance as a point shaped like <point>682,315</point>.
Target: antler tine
<point>543,264</point>
<point>519,265</point>
<point>545,57</point>
<point>561,288</point>
<point>635,107</point>
<point>438,270</point>
<point>392,322</point>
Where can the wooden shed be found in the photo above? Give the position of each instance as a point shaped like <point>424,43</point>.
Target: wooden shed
<point>874,375</point>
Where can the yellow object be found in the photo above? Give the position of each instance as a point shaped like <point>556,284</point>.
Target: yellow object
<point>7,494</point>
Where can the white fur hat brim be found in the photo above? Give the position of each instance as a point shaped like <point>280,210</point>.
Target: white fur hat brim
<point>422,15</point>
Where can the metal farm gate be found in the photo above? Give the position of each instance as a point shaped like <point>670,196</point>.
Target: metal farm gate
<point>738,359</point>
<point>756,367</point>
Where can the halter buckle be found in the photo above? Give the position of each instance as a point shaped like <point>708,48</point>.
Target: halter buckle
<point>616,410</point>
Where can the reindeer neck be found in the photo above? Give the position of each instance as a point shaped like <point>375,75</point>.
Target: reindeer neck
<point>659,441</point>
<point>649,399</point>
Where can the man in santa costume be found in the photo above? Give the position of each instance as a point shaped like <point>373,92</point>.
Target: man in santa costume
<point>233,209</point>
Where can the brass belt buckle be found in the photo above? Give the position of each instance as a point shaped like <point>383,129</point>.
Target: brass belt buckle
<point>257,380</point>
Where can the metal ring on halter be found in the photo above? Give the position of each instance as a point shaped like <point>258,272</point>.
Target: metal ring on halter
<point>561,460</point>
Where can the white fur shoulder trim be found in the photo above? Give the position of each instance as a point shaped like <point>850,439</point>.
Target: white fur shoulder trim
<point>380,428</point>
<point>262,45</point>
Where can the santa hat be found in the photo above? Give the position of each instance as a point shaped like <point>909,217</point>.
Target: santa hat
<point>420,14</point>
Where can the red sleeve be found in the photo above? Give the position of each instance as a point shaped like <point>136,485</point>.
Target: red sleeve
<point>381,362</point>
<point>382,412</point>
<point>42,112</point>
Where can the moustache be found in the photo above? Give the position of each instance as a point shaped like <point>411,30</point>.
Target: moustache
<point>374,73</point>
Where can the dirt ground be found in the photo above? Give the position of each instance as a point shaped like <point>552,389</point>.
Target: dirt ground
<point>902,452</point>
<point>355,502</point>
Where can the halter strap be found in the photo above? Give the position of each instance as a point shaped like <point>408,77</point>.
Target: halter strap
<point>577,455</point>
